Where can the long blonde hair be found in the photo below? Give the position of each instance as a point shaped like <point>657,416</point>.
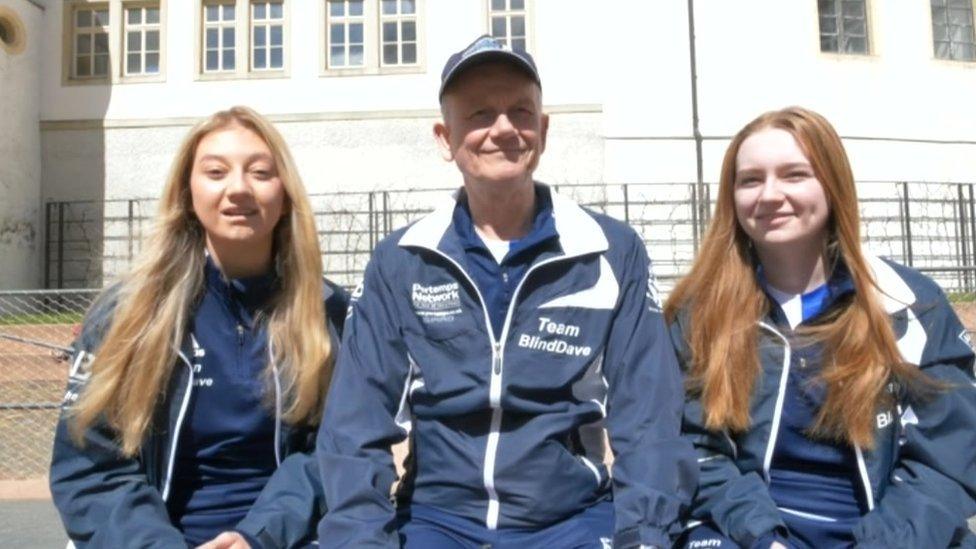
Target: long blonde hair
<point>726,302</point>
<point>133,364</point>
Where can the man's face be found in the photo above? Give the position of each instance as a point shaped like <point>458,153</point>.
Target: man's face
<point>493,127</point>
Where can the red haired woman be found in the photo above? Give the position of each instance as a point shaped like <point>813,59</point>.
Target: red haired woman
<point>831,393</point>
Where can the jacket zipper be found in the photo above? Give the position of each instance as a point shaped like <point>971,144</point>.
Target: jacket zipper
<point>178,427</point>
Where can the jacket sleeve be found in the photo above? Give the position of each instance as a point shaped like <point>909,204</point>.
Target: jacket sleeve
<point>104,498</point>
<point>654,472</point>
<point>360,423</point>
<point>932,488</point>
<point>292,503</point>
<point>737,504</point>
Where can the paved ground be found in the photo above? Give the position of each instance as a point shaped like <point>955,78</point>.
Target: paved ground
<point>30,525</point>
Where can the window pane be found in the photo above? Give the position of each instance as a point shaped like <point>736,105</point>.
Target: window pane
<point>213,13</point>
<point>101,43</point>
<point>407,6</point>
<point>84,44</point>
<point>938,15</point>
<point>101,18</point>
<point>498,4</point>
<point>355,7</point>
<point>337,33</point>
<point>101,65</point>
<point>260,61</point>
<point>152,15</point>
<point>960,4</point>
<point>960,17</point>
<point>856,45</point>
<point>940,32</point>
<point>337,56</point>
<point>828,25</point>
<point>259,37</point>
<point>390,54</point>
<point>211,64</point>
<point>84,66</point>
<point>389,32</point>
<point>855,8</point>
<point>854,27</point>
<point>356,33</point>
<point>826,7</point>
<point>408,31</point>
<point>517,4</point>
<point>962,34</point>
<point>228,59</point>
<point>356,56</point>
<point>276,11</point>
<point>152,41</point>
<point>228,37</point>
<point>389,7</point>
<point>518,44</point>
<point>276,36</point>
<point>152,63</point>
<point>228,12</point>
<point>133,41</point>
<point>134,16</point>
<point>518,26</point>
<point>828,43</point>
<point>84,18</point>
<point>133,63</point>
<point>337,8</point>
<point>277,58</point>
<point>211,41</point>
<point>965,52</point>
<point>259,11</point>
<point>410,53</point>
<point>498,27</point>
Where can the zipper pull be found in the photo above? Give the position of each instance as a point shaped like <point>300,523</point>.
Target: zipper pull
<point>496,359</point>
<point>803,362</point>
<point>240,334</point>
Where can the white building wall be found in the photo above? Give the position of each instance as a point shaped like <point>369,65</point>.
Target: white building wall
<point>20,242</point>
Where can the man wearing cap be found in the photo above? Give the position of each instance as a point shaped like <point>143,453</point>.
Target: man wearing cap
<point>503,333</point>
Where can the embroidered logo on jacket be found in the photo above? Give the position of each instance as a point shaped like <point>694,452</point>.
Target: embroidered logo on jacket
<point>548,327</point>
<point>437,303</point>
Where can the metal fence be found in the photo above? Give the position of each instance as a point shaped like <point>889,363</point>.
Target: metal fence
<point>36,328</point>
<point>929,225</point>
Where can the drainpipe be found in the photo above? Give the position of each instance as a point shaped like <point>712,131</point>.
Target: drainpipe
<point>700,192</point>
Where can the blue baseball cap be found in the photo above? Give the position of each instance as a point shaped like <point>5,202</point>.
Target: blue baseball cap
<point>486,48</point>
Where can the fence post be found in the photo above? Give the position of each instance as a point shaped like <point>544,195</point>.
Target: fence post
<point>61,206</point>
<point>972,226</point>
<point>131,209</point>
<point>907,225</point>
<point>962,241</point>
<point>372,220</point>
<point>627,203</point>
<point>694,217</point>
<point>387,221</point>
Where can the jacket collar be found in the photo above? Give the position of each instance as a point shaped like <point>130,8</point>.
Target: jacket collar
<point>894,292</point>
<point>578,232</point>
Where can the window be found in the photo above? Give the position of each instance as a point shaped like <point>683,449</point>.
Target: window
<point>373,36</point>
<point>267,36</point>
<point>142,40</point>
<point>90,57</point>
<point>346,41</point>
<point>952,30</point>
<point>506,20</point>
<point>218,31</point>
<point>843,26</point>
<point>398,20</point>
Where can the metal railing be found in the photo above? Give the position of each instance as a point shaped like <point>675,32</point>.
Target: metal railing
<point>928,225</point>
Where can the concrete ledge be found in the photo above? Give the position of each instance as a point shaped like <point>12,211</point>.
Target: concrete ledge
<point>36,488</point>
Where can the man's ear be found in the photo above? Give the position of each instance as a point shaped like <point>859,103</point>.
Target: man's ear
<point>442,136</point>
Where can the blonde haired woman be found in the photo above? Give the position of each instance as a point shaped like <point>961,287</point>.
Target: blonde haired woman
<point>831,396</point>
<point>198,380</point>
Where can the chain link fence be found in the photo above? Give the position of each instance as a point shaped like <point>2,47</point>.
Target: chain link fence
<point>929,225</point>
<point>36,331</point>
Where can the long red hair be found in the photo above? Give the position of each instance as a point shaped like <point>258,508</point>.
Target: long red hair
<point>725,303</point>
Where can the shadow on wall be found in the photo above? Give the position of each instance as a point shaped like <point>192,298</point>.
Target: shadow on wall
<point>73,148</point>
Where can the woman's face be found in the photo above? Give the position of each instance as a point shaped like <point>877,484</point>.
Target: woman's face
<point>236,192</point>
<point>779,202</point>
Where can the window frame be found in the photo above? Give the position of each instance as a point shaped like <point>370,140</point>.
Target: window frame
<point>372,42</point>
<point>143,28</point>
<point>243,42</point>
<point>398,19</point>
<point>529,13</point>
<point>956,62</point>
<point>267,23</point>
<point>117,73</point>
<point>869,32</point>
<point>72,33</point>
